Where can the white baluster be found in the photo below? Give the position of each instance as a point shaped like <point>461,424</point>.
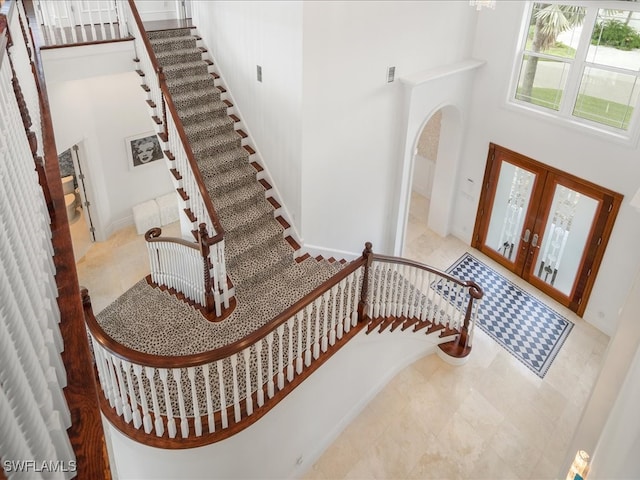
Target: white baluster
<point>260,391</point>
<point>325,321</point>
<point>347,312</point>
<point>171,422</point>
<point>340,288</point>
<point>270,385</point>
<point>299,319</point>
<point>159,426</point>
<point>146,417</point>
<point>137,419</point>
<point>290,349</point>
<point>207,386</point>
<point>386,285</point>
<point>236,395</point>
<point>316,344</point>
<point>280,331</point>
<point>377,278</point>
<point>83,30</point>
<point>69,12</point>
<point>197,421</point>
<point>223,397</point>
<point>332,331</point>
<point>307,353</point>
<point>117,399</point>
<point>184,424</point>
<point>247,374</point>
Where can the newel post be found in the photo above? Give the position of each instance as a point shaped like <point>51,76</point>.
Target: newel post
<point>203,238</point>
<point>475,293</point>
<point>367,253</point>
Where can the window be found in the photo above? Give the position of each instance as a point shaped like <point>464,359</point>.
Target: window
<point>581,62</point>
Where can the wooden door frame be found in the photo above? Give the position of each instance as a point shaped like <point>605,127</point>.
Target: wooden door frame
<point>601,228</point>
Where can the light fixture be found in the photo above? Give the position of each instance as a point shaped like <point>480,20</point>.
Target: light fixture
<point>580,466</point>
<point>483,3</point>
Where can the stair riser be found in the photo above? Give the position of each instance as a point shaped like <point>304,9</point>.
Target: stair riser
<point>252,277</point>
<point>215,149</point>
<point>218,190</point>
<point>215,111</point>
<point>211,169</point>
<point>174,58</point>
<point>184,71</point>
<point>214,127</point>
<point>255,240</point>
<point>168,45</point>
<point>177,32</point>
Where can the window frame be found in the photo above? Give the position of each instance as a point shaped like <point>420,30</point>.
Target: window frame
<point>576,68</point>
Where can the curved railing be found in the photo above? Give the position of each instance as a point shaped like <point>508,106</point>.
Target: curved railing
<point>187,401</point>
<point>191,187</point>
<point>183,267</point>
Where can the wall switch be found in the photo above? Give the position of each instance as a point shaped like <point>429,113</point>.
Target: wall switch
<point>259,73</point>
<point>391,74</point>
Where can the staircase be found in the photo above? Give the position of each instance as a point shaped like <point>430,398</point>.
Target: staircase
<point>174,380</point>
<point>260,256</point>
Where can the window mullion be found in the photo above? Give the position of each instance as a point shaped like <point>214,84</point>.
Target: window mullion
<point>572,87</point>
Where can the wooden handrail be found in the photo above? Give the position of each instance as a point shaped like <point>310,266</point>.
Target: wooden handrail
<point>185,361</point>
<point>181,132</point>
<point>86,431</point>
<point>474,289</point>
<point>153,235</point>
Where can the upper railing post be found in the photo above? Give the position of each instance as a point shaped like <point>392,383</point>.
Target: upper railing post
<point>367,253</point>
<point>203,237</point>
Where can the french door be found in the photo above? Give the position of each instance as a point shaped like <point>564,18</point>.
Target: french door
<point>547,226</point>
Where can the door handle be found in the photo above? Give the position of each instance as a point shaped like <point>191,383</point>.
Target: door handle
<point>527,234</point>
<point>534,240</point>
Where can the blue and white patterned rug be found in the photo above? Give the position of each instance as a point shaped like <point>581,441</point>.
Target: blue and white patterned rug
<point>527,328</point>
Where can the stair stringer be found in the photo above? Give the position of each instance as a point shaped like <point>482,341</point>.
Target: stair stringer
<point>287,441</point>
<point>257,157</point>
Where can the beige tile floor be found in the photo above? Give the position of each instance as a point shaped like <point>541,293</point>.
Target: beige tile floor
<point>489,419</point>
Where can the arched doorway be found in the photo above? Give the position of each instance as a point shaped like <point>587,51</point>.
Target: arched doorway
<point>434,165</point>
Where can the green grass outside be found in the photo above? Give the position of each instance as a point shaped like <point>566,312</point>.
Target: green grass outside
<point>590,108</point>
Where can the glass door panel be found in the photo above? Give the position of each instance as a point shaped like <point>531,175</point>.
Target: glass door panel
<point>546,226</point>
<point>510,205</point>
<point>561,248</point>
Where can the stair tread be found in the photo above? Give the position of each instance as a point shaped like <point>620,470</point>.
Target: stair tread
<point>217,144</point>
<point>252,268</point>
<point>229,179</point>
<point>242,194</point>
<point>206,128</point>
<point>243,242</point>
<point>213,164</point>
<point>241,220</point>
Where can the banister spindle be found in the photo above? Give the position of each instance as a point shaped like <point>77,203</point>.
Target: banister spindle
<point>222,392</point>
<point>197,421</point>
<point>207,385</point>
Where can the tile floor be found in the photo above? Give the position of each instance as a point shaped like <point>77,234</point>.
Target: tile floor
<point>489,419</point>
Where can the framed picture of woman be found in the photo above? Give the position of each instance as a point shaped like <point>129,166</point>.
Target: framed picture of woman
<point>143,149</point>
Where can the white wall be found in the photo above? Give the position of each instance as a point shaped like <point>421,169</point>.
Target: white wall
<point>291,437</point>
<point>604,162</point>
<point>240,36</point>
<point>354,122</point>
<point>98,106</point>
<point>608,429</point>
<point>157,9</point>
